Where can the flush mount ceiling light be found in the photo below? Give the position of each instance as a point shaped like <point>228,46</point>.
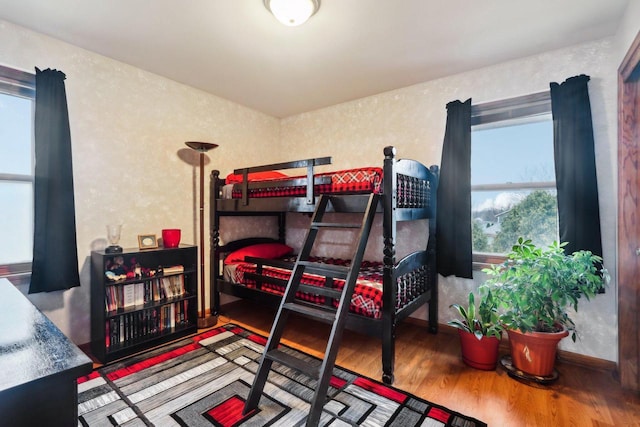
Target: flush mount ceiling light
<point>292,12</point>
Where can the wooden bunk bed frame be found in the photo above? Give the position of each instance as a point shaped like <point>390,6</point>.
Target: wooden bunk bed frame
<point>409,193</point>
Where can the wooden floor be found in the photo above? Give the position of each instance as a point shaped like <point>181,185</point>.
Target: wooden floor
<point>430,367</point>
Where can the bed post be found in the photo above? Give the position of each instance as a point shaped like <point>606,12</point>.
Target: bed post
<point>431,250</point>
<point>389,259</point>
<point>214,255</point>
<point>282,227</point>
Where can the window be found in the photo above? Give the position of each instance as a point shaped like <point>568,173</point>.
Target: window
<point>17,93</point>
<point>513,191</point>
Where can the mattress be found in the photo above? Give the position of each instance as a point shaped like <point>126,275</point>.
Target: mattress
<point>365,301</point>
<point>351,181</point>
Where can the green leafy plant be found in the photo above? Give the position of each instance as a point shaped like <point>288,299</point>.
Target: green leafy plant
<point>535,287</point>
<point>480,321</point>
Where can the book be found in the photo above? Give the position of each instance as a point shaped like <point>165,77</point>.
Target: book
<point>107,335</point>
<point>139,293</point>
<point>179,284</point>
<point>172,316</point>
<point>128,295</point>
<point>166,285</point>
<point>174,269</point>
<point>121,330</point>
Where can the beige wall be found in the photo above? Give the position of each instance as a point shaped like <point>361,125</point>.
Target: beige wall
<point>627,31</point>
<point>128,129</point>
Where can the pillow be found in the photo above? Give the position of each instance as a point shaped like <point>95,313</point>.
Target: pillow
<point>261,250</point>
<point>255,176</point>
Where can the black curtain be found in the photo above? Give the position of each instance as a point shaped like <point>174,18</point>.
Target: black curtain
<point>453,226</point>
<point>575,165</point>
<point>55,253</point>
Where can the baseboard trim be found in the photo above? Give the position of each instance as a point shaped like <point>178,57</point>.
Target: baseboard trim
<point>563,355</point>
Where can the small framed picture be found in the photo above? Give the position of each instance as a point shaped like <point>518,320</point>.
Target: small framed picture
<point>147,241</point>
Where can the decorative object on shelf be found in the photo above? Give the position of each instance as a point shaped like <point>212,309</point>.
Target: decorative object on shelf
<point>117,271</point>
<point>171,237</point>
<point>147,241</point>
<point>292,12</point>
<point>204,321</point>
<point>113,236</point>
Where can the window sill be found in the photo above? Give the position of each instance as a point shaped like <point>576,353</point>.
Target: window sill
<point>18,274</point>
<point>485,260</point>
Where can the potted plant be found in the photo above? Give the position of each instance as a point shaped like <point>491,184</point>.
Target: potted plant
<point>479,332</point>
<point>534,288</point>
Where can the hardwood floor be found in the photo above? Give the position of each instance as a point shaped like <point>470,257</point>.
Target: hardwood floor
<point>430,366</point>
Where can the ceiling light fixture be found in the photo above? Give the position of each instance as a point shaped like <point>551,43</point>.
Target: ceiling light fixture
<point>292,12</point>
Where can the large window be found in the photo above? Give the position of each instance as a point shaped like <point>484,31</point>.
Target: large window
<point>513,189</point>
<point>16,171</point>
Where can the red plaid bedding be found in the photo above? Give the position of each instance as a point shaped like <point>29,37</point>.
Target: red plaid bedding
<point>361,180</point>
<point>365,301</point>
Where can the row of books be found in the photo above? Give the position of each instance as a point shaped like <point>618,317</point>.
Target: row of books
<point>133,294</point>
<point>129,327</point>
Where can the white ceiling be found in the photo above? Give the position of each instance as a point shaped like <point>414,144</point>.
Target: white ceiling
<point>350,49</point>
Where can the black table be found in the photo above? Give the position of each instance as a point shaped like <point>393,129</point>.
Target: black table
<point>39,366</point>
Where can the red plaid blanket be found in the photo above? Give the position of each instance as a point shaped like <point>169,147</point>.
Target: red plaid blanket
<point>365,301</point>
<point>361,180</point>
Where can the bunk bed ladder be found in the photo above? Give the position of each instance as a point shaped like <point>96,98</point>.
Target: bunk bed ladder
<point>336,317</point>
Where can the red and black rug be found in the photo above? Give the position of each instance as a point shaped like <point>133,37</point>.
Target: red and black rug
<point>204,380</point>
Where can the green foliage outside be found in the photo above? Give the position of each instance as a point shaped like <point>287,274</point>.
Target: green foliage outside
<point>535,217</point>
<point>479,239</point>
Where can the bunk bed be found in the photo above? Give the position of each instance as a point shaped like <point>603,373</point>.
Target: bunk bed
<point>257,268</point>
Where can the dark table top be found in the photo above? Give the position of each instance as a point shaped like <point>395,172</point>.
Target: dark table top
<point>31,346</point>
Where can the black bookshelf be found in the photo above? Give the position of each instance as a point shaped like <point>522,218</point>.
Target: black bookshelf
<point>149,297</point>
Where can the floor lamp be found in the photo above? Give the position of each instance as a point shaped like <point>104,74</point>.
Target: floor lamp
<point>204,321</point>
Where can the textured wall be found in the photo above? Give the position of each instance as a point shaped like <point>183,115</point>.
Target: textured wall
<point>128,129</point>
<point>627,31</point>
<point>413,119</point>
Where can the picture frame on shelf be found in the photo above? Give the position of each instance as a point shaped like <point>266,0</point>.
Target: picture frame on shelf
<point>147,241</point>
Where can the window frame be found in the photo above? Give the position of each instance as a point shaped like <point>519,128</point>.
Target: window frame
<point>521,107</point>
<point>21,84</point>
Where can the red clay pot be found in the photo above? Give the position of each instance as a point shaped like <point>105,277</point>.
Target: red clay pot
<point>534,353</point>
<point>479,353</point>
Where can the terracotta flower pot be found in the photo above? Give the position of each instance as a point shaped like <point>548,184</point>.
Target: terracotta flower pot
<point>479,353</point>
<point>534,353</point>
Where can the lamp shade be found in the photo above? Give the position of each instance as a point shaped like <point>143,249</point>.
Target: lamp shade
<point>201,146</point>
<point>292,12</point>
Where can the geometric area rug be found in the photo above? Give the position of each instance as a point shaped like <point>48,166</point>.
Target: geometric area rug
<point>204,380</point>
